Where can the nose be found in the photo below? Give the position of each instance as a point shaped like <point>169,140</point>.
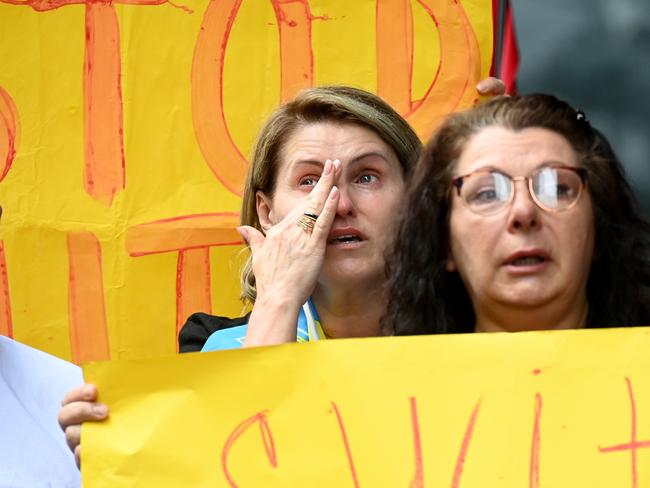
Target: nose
<point>345,206</point>
<point>524,213</point>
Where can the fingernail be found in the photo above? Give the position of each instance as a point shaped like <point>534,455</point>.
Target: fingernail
<point>334,192</point>
<point>87,390</point>
<point>483,85</point>
<point>100,410</point>
<point>336,164</point>
<point>328,167</point>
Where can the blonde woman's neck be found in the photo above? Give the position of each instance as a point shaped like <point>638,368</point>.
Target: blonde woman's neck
<point>350,312</point>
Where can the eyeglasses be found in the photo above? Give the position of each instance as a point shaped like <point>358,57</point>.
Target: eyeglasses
<point>552,188</point>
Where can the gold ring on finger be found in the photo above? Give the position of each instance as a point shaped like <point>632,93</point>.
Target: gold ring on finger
<point>306,223</point>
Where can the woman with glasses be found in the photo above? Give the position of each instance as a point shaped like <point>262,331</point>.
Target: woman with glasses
<point>519,218</point>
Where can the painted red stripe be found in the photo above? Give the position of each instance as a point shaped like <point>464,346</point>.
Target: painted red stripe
<point>86,308</point>
<point>6,323</point>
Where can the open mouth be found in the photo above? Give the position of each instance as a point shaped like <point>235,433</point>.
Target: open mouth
<point>527,261</point>
<point>345,235</point>
<point>532,257</point>
<point>344,239</point>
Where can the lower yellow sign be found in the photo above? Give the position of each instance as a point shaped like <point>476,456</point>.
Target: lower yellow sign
<point>554,409</point>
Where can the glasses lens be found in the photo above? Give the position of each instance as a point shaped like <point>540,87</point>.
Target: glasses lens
<point>557,188</point>
<point>486,193</point>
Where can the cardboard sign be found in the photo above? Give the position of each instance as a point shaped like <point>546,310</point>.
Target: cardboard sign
<point>125,129</point>
<point>560,409</point>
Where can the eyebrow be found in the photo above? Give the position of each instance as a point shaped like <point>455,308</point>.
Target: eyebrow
<point>309,162</point>
<point>354,160</point>
<point>370,154</point>
<point>549,163</point>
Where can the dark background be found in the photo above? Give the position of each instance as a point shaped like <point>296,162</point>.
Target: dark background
<point>595,54</point>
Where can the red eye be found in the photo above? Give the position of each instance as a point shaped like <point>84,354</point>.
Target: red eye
<point>310,180</point>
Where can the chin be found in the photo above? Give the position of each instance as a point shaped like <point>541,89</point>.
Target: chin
<point>352,271</point>
<point>526,299</point>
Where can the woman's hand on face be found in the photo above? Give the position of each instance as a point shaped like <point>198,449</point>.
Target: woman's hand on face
<point>288,259</point>
<point>491,87</point>
<point>78,406</point>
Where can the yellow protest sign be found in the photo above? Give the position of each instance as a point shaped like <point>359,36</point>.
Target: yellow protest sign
<point>560,409</point>
<point>125,129</point>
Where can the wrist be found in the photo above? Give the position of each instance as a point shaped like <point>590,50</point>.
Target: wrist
<point>278,301</point>
<point>274,320</point>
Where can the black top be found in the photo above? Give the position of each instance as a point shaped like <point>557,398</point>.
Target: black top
<point>200,326</point>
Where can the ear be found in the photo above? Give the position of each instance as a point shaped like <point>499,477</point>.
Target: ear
<point>264,210</point>
<point>450,265</point>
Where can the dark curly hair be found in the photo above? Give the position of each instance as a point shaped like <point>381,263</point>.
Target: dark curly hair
<point>425,298</point>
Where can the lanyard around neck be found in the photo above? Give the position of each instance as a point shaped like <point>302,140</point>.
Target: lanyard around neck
<point>314,328</point>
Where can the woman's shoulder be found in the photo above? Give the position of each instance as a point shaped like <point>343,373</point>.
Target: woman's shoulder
<point>200,326</point>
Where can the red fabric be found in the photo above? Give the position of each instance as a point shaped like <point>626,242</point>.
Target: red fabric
<point>509,51</point>
<point>509,54</point>
<point>495,31</point>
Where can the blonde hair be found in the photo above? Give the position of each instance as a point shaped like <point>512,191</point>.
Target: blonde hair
<point>322,104</point>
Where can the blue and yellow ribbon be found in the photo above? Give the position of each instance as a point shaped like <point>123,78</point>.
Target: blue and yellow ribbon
<point>309,329</point>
